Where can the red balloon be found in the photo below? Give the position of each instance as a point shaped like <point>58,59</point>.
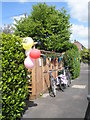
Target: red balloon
<point>35,53</point>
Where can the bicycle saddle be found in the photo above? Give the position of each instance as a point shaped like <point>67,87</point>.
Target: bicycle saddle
<point>66,66</point>
<point>88,97</point>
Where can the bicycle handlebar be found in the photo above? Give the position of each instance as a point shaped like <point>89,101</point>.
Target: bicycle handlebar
<point>67,67</point>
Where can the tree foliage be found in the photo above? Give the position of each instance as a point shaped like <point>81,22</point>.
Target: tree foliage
<point>8,29</point>
<point>46,25</point>
<point>85,55</point>
<point>89,55</point>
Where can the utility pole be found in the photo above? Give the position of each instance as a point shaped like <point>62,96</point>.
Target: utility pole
<point>25,14</point>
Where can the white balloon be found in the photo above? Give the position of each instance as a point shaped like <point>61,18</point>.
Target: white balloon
<point>27,52</point>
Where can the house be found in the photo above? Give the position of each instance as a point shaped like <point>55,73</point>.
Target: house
<point>79,45</point>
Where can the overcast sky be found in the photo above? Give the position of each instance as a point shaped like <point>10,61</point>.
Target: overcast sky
<point>78,10</point>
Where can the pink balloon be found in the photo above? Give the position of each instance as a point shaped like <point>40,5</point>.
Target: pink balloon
<point>29,62</point>
<point>35,53</point>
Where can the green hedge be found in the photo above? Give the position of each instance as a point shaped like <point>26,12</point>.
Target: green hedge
<point>14,81</point>
<point>85,55</point>
<point>0,78</point>
<point>74,65</point>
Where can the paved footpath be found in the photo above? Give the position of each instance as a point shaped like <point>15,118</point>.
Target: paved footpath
<point>69,104</point>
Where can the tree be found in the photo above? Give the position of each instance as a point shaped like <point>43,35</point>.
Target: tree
<point>84,55</point>
<point>89,55</point>
<point>1,30</point>
<point>46,25</point>
<point>8,29</point>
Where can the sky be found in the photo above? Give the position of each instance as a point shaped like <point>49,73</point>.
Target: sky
<point>78,10</point>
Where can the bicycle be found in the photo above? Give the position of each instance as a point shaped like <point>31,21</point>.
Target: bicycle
<point>52,85</point>
<point>61,81</point>
<point>68,75</point>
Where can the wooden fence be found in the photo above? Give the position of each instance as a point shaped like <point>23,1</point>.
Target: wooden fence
<point>39,80</point>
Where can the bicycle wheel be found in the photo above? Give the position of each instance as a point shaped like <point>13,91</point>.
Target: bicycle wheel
<point>69,79</point>
<point>61,86</point>
<point>68,84</point>
<point>50,92</point>
<point>64,86</point>
<point>54,91</point>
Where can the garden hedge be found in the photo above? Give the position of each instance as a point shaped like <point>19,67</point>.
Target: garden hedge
<point>85,55</point>
<point>70,59</point>
<point>14,80</point>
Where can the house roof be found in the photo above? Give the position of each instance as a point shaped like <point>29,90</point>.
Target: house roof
<point>79,43</point>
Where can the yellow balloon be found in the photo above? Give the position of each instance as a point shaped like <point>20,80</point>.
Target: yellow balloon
<point>27,43</point>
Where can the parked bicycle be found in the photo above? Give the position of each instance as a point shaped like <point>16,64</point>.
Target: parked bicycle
<point>63,80</point>
<point>52,90</point>
<point>68,75</point>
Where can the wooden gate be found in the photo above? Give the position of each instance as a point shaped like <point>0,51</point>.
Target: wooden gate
<point>39,80</point>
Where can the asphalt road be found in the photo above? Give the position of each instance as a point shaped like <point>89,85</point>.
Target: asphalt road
<point>69,104</point>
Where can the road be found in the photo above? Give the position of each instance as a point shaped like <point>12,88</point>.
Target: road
<point>69,104</point>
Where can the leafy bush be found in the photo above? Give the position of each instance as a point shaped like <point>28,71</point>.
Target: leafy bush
<point>89,56</point>
<point>14,82</point>
<point>70,59</point>
<point>0,79</point>
<point>85,53</point>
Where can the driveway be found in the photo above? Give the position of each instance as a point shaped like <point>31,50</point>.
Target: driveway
<point>69,104</point>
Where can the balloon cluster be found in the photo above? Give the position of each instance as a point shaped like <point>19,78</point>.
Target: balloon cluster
<point>31,54</point>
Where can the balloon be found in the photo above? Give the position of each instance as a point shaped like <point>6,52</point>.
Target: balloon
<point>27,43</point>
<point>35,53</point>
<point>29,62</point>
<point>27,52</point>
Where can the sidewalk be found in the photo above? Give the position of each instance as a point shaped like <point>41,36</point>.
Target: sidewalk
<point>69,104</point>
